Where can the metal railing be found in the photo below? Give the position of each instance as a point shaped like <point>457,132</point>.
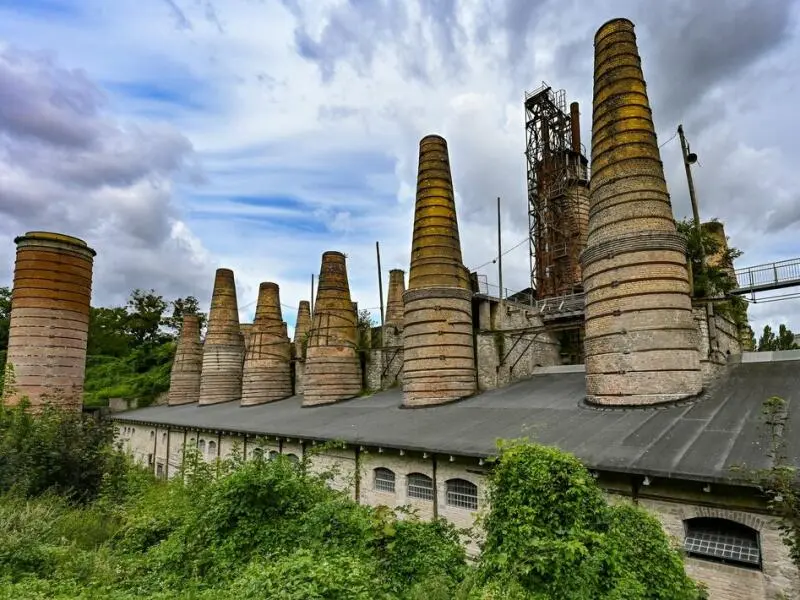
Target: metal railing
<point>770,276</point>
<point>560,306</point>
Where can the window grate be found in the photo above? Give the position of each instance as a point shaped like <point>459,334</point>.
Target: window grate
<point>722,544</point>
<point>462,494</point>
<point>384,480</point>
<point>419,486</point>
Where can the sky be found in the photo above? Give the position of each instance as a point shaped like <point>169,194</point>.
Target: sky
<point>179,136</point>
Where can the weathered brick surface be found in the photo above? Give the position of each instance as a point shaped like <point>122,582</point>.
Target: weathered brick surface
<point>223,348</point>
<point>633,266</point>
<point>506,357</point>
<point>49,320</point>
<point>184,384</point>
<point>332,369</point>
<point>438,352</point>
<point>266,375</point>
<point>727,582</point>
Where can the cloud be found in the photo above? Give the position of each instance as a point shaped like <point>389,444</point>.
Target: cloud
<point>306,117</point>
<point>68,166</point>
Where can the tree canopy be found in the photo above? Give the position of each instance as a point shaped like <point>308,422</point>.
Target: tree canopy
<point>784,340</point>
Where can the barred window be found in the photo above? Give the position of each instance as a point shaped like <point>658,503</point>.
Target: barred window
<point>201,446</point>
<point>384,480</point>
<point>722,540</point>
<point>293,458</point>
<point>258,453</point>
<point>212,448</point>
<point>462,494</point>
<point>273,455</point>
<point>419,486</point>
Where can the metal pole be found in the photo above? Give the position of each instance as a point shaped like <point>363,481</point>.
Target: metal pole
<point>380,279</point>
<point>499,252</point>
<point>312,295</point>
<point>692,196</point>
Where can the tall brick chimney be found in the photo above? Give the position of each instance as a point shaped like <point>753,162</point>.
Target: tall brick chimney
<point>49,321</point>
<point>394,299</point>
<point>266,375</point>
<point>301,327</point>
<point>223,349</point>
<point>438,354</point>
<point>332,370</point>
<point>641,343</point>
<point>184,381</point>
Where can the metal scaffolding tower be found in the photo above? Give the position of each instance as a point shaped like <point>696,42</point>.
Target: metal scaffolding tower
<point>558,181</point>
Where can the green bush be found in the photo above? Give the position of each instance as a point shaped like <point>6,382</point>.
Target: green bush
<point>272,529</point>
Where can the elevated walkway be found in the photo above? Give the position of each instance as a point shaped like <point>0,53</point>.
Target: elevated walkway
<point>767,277</point>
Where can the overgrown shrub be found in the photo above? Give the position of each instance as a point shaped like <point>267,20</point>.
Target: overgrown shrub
<point>55,451</point>
<point>551,535</point>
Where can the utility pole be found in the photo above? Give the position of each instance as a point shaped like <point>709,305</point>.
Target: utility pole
<point>380,279</point>
<point>312,296</point>
<point>499,252</point>
<point>688,159</point>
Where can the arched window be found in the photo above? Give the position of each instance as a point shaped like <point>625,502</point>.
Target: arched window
<point>273,455</point>
<point>462,494</point>
<point>201,446</point>
<point>152,434</point>
<point>383,480</point>
<point>293,458</point>
<point>133,429</point>
<point>722,540</point>
<point>258,453</point>
<point>212,448</point>
<point>419,486</point>
<point>164,438</point>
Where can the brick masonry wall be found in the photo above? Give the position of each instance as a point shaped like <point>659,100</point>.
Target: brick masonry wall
<point>717,339</point>
<point>725,582</point>
<point>522,351</point>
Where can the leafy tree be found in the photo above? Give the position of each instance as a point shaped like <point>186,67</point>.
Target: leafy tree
<point>783,341</point>
<point>184,306</point>
<point>54,450</point>
<point>108,332</point>
<point>146,314</point>
<point>713,280</point>
<point>551,535</point>
<point>5,316</point>
<point>364,325</point>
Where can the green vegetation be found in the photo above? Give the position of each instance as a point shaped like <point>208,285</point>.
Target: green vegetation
<point>713,279</point>
<point>85,523</point>
<point>783,341</point>
<point>129,349</point>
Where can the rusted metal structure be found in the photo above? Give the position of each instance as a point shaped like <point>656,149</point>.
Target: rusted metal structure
<point>223,349</point>
<point>49,322</point>
<point>558,192</point>
<point>641,341</point>
<point>266,374</point>
<point>438,352</point>
<point>184,381</point>
<point>332,369</point>
<point>394,300</point>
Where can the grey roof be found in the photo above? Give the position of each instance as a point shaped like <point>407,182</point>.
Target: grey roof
<point>698,440</point>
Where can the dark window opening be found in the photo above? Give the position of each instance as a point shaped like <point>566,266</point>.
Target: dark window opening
<point>723,541</point>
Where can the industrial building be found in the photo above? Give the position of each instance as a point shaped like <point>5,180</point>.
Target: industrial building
<point>608,356</point>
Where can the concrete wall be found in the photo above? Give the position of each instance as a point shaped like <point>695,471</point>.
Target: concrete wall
<point>352,471</point>
<point>506,357</point>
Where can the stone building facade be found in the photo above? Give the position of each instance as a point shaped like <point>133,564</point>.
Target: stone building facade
<point>454,488</point>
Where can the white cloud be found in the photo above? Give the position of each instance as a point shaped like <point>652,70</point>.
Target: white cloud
<point>305,118</point>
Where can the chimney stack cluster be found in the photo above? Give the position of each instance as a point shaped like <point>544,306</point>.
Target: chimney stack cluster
<point>641,343</point>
